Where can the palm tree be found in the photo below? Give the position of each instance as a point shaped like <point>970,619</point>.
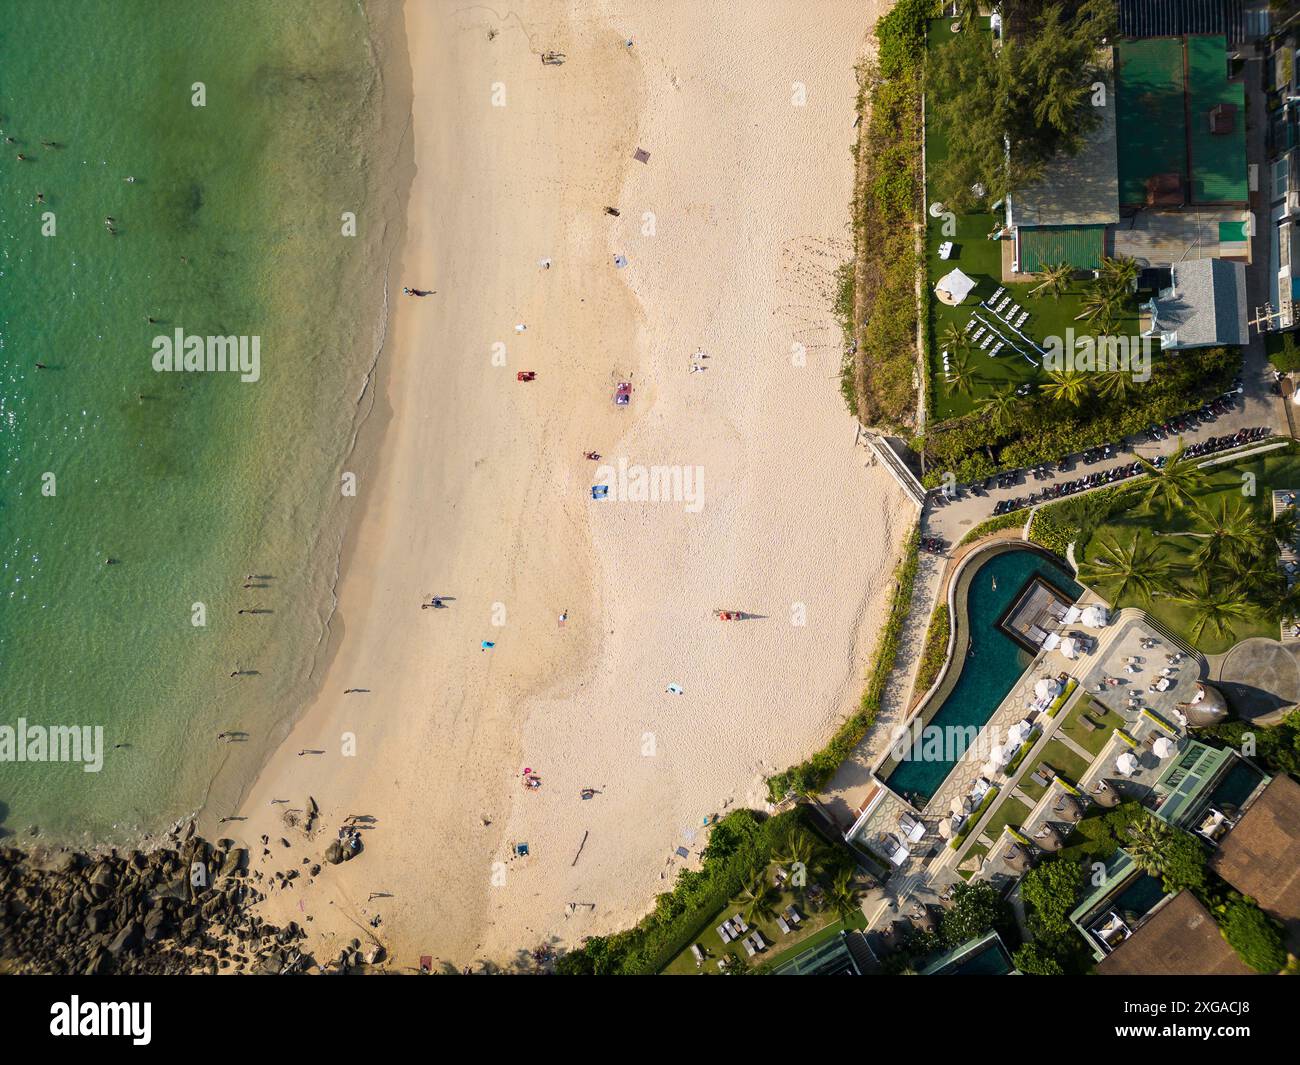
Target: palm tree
<point>1053,280</point>
<point>1129,571</point>
<point>999,405</point>
<point>1113,384</point>
<point>1147,838</point>
<point>842,894</point>
<point>968,14</point>
<point>759,898</point>
<point>798,851</point>
<point>1119,274</point>
<point>1214,606</point>
<point>1284,526</point>
<point>1234,534</point>
<point>960,374</point>
<point>952,339</point>
<point>1101,307</point>
<point>1172,485</point>
<point>1070,386</point>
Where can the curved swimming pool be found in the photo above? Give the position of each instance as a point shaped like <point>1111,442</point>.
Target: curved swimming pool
<point>991,662</point>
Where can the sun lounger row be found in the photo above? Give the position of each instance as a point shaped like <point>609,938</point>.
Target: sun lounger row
<point>988,340</point>
<point>732,928</point>
<point>994,298</point>
<point>788,920</point>
<point>974,337</point>
<point>996,348</point>
<point>754,943</point>
<point>1021,319</point>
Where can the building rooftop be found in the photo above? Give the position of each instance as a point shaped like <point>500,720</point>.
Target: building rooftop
<point>1078,190</point>
<point>1180,123</point>
<point>1259,856</point>
<point>1205,306</point>
<point>1165,18</point>
<point>1179,939</point>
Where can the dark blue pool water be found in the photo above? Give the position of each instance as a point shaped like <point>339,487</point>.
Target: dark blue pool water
<point>1236,787</point>
<point>994,662</point>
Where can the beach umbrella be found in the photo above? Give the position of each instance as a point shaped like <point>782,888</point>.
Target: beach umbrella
<point>1016,733</point>
<point>1070,647</point>
<point>946,827</point>
<point>1094,617</point>
<point>1163,747</point>
<point>1126,764</point>
<point>1047,688</point>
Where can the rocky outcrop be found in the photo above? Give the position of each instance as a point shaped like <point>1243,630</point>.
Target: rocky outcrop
<point>185,906</point>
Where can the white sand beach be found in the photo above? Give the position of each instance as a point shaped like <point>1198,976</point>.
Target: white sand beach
<point>479,492</point>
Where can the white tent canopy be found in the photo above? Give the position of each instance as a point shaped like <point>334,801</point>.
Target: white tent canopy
<point>954,287</point>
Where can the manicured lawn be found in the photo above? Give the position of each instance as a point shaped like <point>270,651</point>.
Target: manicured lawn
<point>779,944</point>
<point>1061,759</point>
<point>981,259</point>
<point>1012,812</point>
<point>1278,470</point>
<point>1094,741</point>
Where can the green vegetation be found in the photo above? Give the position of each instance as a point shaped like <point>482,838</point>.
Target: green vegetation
<point>1095,739</point>
<point>1162,850</point>
<point>1253,935</point>
<point>1196,548</point>
<point>810,776</point>
<point>960,837</point>
<point>740,844</point>
<point>1276,748</point>
<point>878,376</point>
<point>976,910</point>
<point>1062,760</point>
<point>1041,429</point>
<point>1033,92</point>
<point>1283,351</point>
<point>936,649</point>
<point>1015,519</point>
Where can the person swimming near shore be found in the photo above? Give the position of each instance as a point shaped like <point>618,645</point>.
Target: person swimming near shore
<point>40,197</point>
<point>41,366</point>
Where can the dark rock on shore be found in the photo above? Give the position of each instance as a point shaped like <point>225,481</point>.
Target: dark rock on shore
<point>185,906</point>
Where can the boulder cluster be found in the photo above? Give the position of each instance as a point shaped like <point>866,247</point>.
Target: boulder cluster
<point>183,906</point>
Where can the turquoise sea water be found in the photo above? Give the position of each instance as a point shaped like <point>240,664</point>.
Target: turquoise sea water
<point>994,661</point>
<point>190,481</point>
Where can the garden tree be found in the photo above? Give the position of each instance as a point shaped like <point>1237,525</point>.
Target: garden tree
<point>976,908</point>
<point>759,897</point>
<point>1214,606</point>
<point>842,895</point>
<point>1283,526</point>
<point>1277,748</point>
<point>1067,386</point>
<point>953,339</point>
<point>1233,533</point>
<point>1051,891</point>
<point>1006,112</point>
<point>1101,308</point>
<point>1253,935</point>
<point>1114,384</point>
<point>798,848</point>
<point>1034,959</point>
<point>1053,280</point>
<point>960,375</point>
<point>999,406</point>
<point>1119,274</point>
<point>1170,853</point>
<point>1173,485</point>
<point>1127,571</point>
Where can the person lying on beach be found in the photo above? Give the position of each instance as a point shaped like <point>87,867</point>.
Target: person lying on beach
<point>417,292</point>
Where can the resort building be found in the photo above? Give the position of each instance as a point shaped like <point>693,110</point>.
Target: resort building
<point>1258,855</point>
<point>1180,938</point>
<point>984,956</point>
<point>1125,899</point>
<point>1282,80</point>
<point>1204,306</point>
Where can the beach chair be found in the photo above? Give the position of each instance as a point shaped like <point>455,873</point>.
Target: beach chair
<point>793,915</point>
<point>1024,317</point>
<point>1005,302</point>
<point>996,348</point>
<point>987,341</point>
<point>699,954</point>
<point>970,324</point>
<point>974,337</point>
<point>724,933</point>
<point>759,941</point>
<point>994,298</point>
<point>749,948</point>
<point>781,924</point>
<point>739,922</point>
